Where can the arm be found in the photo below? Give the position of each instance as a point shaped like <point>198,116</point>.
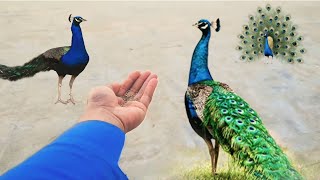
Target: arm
<point>91,149</point>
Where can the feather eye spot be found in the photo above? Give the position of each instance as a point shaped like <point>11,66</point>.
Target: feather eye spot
<point>241,36</point>
<point>243,57</point>
<point>278,10</point>
<point>259,9</point>
<point>293,53</point>
<point>247,52</point>
<point>224,111</point>
<point>295,43</point>
<point>263,15</point>
<point>292,34</point>
<point>277,46</point>
<point>253,37</point>
<point>247,33</point>
<point>255,52</point>
<point>254,24</point>
<point>299,60</point>
<point>252,121</point>
<point>239,138</point>
<point>290,60</point>
<point>246,27</point>
<point>251,17</point>
<point>276,17</point>
<point>300,38</point>
<point>260,22</point>
<point>293,28</point>
<point>252,45</point>
<point>288,17</point>
<point>251,128</point>
<point>240,111</point>
<point>268,7</point>
<point>239,122</point>
<point>278,24</point>
<point>241,104</point>
<point>250,58</point>
<point>228,118</point>
<point>276,52</point>
<point>302,51</point>
<point>260,45</point>
<point>233,102</point>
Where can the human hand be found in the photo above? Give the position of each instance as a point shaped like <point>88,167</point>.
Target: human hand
<point>123,105</point>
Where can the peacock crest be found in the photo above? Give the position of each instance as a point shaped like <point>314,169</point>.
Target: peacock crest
<point>271,28</point>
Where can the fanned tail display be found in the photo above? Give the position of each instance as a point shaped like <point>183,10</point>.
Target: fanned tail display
<point>279,28</point>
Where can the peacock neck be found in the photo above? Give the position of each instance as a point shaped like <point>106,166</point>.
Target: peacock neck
<point>266,44</point>
<point>77,43</point>
<point>199,64</point>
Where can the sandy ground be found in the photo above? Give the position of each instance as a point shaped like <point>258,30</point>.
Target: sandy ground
<point>126,36</point>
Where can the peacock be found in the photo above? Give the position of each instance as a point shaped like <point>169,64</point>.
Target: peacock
<point>216,112</point>
<point>70,60</point>
<point>270,33</point>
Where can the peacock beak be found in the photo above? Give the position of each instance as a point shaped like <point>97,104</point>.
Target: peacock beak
<point>84,19</point>
<point>195,24</point>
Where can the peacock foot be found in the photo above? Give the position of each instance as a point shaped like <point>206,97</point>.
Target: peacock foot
<point>59,100</point>
<point>71,100</point>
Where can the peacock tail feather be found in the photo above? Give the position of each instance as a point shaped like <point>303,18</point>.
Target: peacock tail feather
<point>240,132</point>
<point>43,62</point>
<point>286,40</point>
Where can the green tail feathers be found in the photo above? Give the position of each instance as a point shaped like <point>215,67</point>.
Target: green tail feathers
<point>29,69</point>
<point>240,132</point>
<point>286,41</point>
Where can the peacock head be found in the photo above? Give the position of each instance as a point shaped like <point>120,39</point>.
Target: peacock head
<point>76,19</point>
<point>266,34</point>
<point>204,25</point>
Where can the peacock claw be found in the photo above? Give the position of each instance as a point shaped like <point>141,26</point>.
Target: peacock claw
<point>63,102</point>
<point>71,100</point>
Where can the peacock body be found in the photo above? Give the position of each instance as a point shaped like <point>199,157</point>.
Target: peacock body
<point>270,33</point>
<point>216,112</point>
<point>70,60</point>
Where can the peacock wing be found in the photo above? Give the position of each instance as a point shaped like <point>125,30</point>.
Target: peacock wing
<point>55,54</point>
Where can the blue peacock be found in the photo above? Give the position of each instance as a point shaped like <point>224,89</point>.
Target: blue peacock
<point>270,33</point>
<point>70,60</point>
<point>216,112</point>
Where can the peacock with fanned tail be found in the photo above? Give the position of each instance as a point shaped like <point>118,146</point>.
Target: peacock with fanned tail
<point>270,33</point>
<point>216,112</point>
<point>65,60</point>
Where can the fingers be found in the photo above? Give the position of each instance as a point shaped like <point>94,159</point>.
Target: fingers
<point>126,85</point>
<point>140,93</point>
<point>140,81</point>
<point>148,93</point>
<point>115,87</point>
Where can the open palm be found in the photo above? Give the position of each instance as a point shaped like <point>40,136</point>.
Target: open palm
<point>126,102</point>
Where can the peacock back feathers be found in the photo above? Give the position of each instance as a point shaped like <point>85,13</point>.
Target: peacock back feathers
<point>286,40</point>
<point>240,132</point>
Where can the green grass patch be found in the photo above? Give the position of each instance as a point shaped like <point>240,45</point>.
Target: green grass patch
<point>203,172</point>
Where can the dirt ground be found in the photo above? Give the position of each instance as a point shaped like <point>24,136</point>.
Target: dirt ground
<point>121,37</point>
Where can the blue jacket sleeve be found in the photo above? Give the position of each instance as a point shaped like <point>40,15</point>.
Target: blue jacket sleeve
<point>89,150</point>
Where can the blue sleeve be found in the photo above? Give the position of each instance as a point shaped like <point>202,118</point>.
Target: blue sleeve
<point>89,150</point>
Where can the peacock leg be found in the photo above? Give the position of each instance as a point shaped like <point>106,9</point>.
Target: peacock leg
<point>59,91</point>
<point>216,153</point>
<point>70,85</point>
<point>213,154</point>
